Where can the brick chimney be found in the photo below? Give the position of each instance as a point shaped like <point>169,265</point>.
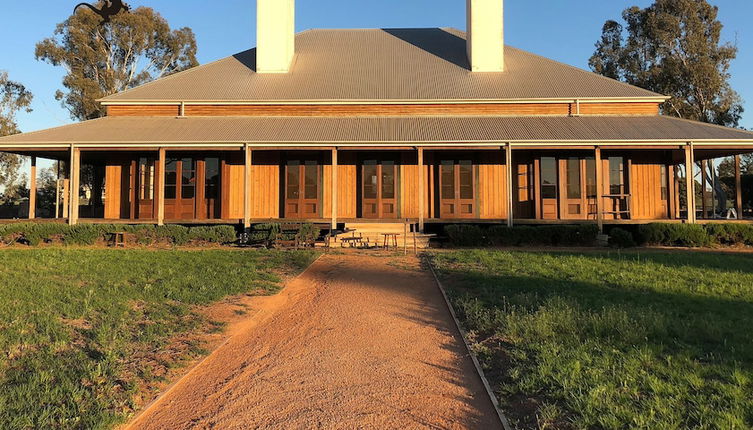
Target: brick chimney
<point>485,33</point>
<point>275,35</point>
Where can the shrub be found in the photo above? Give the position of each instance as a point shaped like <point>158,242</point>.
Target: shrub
<point>308,233</point>
<point>690,235</point>
<point>621,238</point>
<point>731,234</point>
<point>465,235</point>
<point>215,234</point>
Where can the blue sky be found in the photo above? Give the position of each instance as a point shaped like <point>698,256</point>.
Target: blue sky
<point>563,30</point>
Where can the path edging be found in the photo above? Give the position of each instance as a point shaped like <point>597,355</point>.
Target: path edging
<point>476,364</point>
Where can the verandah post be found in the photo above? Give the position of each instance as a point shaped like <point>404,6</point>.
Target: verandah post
<point>421,197</point>
<point>247,188</point>
<point>599,189</point>
<point>75,178</point>
<point>161,187</point>
<point>689,182</point>
<point>510,193</point>
<point>33,189</point>
<point>334,188</point>
<point>738,188</point>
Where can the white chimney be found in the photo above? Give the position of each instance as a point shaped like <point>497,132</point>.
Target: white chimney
<point>275,35</point>
<point>485,33</point>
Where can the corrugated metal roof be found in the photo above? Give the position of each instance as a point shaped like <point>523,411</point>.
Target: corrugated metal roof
<point>381,65</point>
<point>408,130</point>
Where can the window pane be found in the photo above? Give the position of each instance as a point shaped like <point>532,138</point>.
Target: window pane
<point>294,180</point>
<point>591,177</point>
<point>548,178</point>
<point>212,167</point>
<point>188,192</point>
<point>447,174</point>
<point>370,180</point>
<point>616,175</point>
<point>170,192</point>
<point>573,178</point>
<point>312,180</point>
<point>664,183</point>
<point>466,179</point>
<point>388,180</point>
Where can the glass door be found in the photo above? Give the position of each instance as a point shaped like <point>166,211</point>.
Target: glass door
<point>379,189</point>
<point>579,182</point>
<point>145,188</point>
<point>180,188</point>
<point>549,188</point>
<point>302,184</point>
<point>457,189</point>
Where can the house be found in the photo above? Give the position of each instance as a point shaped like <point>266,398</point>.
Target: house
<point>432,125</point>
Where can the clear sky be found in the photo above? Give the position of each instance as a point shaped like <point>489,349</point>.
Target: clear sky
<point>564,30</point>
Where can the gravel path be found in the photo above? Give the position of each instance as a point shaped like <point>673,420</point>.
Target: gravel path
<point>356,342</point>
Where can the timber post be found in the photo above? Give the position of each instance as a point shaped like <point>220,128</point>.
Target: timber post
<point>33,189</point>
<point>510,187</point>
<point>599,189</point>
<point>161,187</point>
<point>690,182</point>
<point>247,187</point>
<point>738,187</point>
<point>421,200</point>
<point>334,189</point>
<point>75,179</point>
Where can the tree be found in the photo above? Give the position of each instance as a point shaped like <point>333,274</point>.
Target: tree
<point>103,59</point>
<point>673,48</point>
<point>14,97</point>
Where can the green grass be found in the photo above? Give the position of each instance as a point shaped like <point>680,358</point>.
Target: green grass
<point>611,341</point>
<point>81,330</point>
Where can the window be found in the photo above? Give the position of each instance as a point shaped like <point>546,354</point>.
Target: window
<point>171,178</point>
<point>212,167</point>
<point>616,176</point>
<point>188,181</point>
<point>465,168</point>
<point>388,180</point>
<point>370,179</point>
<point>312,180</point>
<point>294,179</point>
<point>664,183</point>
<point>146,179</point>
<point>448,179</point>
<point>591,177</point>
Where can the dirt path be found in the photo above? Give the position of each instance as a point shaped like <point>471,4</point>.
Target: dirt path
<point>354,343</point>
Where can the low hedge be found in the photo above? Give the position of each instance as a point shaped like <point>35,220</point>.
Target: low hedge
<point>549,235</point>
<point>267,233</point>
<point>687,235</point>
<point>34,234</point>
<point>621,238</point>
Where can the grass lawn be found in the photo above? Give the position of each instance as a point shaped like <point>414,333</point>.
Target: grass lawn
<point>79,327</point>
<point>650,340</point>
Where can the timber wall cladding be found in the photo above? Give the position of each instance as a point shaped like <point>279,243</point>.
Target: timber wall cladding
<point>265,185</point>
<point>470,109</point>
<point>492,186</point>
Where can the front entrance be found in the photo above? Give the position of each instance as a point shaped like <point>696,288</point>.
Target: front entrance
<point>302,188</point>
<point>379,189</point>
<point>457,189</point>
<point>192,188</point>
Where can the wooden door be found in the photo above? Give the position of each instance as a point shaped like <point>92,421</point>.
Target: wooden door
<point>180,188</point>
<point>577,185</point>
<point>617,195</point>
<point>524,190</point>
<point>548,177</point>
<point>302,186</point>
<point>457,189</point>
<point>379,189</point>
<point>145,187</point>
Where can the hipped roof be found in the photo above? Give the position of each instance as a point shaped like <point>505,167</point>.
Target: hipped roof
<point>374,65</point>
<point>113,131</point>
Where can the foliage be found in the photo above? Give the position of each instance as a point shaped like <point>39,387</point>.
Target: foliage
<point>465,235</point>
<point>690,235</point>
<point>266,234</point>
<point>554,235</point>
<point>34,234</point>
<point>84,330</point>
<point>621,238</point>
<point>731,234</point>
<point>648,340</point>
<point>673,47</point>
<point>14,97</point>
<point>100,60</point>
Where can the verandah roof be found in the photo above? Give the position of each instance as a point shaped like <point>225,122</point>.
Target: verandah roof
<point>116,131</point>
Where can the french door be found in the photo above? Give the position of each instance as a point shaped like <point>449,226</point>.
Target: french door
<point>578,185</point>
<point>379,189</point>
<point>145,185</point>
<point>457,189</point>
<point>549,185</point>
<point>302,186</point>
<point>180,188</point>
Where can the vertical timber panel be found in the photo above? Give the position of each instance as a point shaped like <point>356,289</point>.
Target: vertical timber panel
<point>33,189</point>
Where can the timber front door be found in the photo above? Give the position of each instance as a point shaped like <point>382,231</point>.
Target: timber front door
<point>379,189</point>
<point>192,188</point>
<point>457,189</point>
<point>302,186</point>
